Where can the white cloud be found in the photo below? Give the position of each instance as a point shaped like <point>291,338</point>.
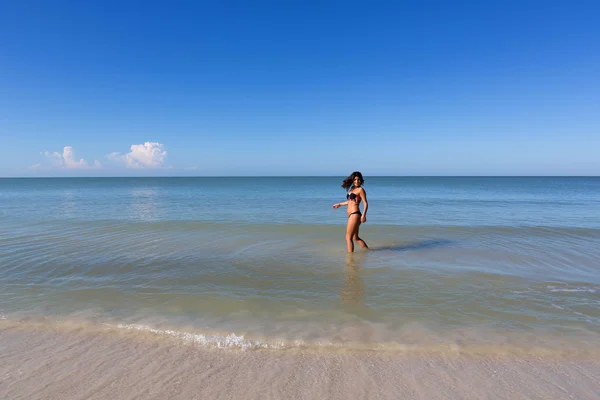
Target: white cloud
<point>67,160</point>
<point>147,155</point>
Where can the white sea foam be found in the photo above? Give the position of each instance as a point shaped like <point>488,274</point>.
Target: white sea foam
<point>220,341</point>
<point>572,290</point>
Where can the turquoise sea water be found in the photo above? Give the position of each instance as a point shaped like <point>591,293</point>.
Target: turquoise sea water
<point>465,263</point>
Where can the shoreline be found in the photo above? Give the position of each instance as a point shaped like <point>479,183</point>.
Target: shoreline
<point>417,341</point>
<point>41,363</point>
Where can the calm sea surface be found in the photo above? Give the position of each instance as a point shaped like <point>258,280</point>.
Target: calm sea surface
<point>491,264</point>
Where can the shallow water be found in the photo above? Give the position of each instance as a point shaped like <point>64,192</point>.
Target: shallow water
<point>261,262</point>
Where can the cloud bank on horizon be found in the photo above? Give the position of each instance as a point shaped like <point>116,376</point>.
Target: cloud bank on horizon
<point>67,160</point>
<point>148,155</point>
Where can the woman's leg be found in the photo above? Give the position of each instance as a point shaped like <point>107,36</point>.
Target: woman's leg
<point>351,228</point>
<point>361,242</point>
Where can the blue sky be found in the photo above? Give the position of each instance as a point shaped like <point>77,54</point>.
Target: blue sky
<point>127,88</point>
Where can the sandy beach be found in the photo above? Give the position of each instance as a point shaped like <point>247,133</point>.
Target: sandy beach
<point>58,363</point>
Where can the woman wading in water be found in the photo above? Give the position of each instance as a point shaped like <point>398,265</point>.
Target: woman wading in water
<point>356,194</point>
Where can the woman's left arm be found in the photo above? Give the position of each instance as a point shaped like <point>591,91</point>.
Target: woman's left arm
<point>363,194</point>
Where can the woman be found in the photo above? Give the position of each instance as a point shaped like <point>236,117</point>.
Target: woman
<point>356,194</point>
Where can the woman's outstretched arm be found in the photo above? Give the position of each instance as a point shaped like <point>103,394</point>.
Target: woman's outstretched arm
<point>338,205</point>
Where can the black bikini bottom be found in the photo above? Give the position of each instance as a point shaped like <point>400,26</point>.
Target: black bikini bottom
<point>355,212</point>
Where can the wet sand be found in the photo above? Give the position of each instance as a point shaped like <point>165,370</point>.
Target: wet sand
<point>60,364</point>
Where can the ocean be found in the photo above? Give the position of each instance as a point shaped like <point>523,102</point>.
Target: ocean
<point>470,265</point>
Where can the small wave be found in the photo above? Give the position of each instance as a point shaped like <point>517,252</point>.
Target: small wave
<point>220,341</point>
<point>571,290</point>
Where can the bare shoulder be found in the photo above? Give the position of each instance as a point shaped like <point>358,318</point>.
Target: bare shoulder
<point>362,190</point>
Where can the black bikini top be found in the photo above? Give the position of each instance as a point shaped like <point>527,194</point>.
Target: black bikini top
<point>353,197</point>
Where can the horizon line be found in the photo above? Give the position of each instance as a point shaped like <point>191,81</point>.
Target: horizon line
<point>296,176</point>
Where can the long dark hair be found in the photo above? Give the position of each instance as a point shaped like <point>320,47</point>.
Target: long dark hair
<point>348,182</point>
